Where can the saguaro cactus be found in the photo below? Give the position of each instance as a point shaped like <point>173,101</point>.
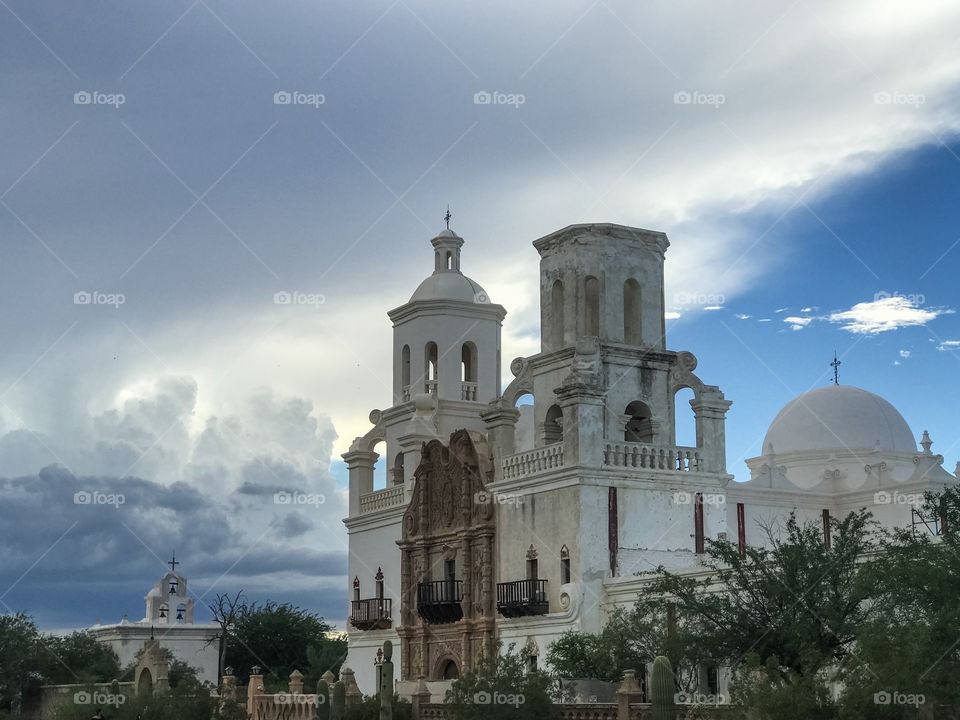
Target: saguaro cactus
<point>386,682</point>
<point>323,700</point>
<point>338,701</point>
<point>662,687</point>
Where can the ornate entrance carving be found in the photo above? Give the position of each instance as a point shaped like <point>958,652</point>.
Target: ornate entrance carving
<point>446,577</point>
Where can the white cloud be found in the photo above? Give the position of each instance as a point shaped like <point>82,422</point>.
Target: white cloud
<point>797,323</point>
<point>905,353</point>
<point>884,315</point>
<point>743,316</point>
<point>672,315</point>
<point>948,345</point>
<point>713,307</point>
<point>765,320</point>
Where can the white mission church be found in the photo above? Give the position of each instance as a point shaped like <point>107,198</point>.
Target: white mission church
<point>519,522</point>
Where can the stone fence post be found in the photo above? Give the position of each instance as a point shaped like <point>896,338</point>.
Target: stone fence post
<point>354,695</point>
<point>254,688</point>
<point>628,692</point>
<point>419,698</point>
<point>295,686</point>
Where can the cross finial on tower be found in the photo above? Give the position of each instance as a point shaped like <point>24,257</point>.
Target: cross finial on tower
<point>173,562</point>
<point>447,216</point>
<point>836,368</point>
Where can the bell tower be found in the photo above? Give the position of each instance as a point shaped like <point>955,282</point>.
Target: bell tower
<point>603,281</point>
<point>446,339</point>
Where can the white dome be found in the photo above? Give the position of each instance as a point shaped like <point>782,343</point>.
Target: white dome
<point>450,285</point>
<point>838,417</point>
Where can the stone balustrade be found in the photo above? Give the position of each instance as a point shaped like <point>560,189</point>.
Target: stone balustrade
<point>469,391</point>
<point>652,457</point>
<point>284,706</point>
<point>392,496</point>
<point>533,461</point>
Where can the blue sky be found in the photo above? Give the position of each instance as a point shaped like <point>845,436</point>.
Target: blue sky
<point>802,158</point>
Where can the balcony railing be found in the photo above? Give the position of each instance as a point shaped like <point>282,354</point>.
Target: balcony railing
<point>533,461</point>
<point>430,386</point>
<point>439,601</point>
<point>522,597</point>
<point>652,457</point>
<point>382,499</point>
<point>371,614</point>
<point>469,391</point>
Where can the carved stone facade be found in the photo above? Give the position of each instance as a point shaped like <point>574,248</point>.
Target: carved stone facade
<point>447,545</point>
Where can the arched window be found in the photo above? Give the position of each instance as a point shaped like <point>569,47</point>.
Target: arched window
<point>398,474</point>
<point>591,306</point>
<point>556,315</point>
<point>380,467</point>
<point>684,419</point>
<point>553,425</point>
<point>564,565</point>
<point>468,362</point>
<point>431,370</point>
<point>631,312</point>
<point>449,260</point>
<point>533,564</point>
<point>164,612</point>
<point>638,427</point>
<point>524,433</point>
<point>405,370</point>
<point>450,671</point>
<point>181,612</point>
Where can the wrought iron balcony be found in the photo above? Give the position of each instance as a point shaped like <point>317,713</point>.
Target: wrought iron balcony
<point>522,597</point>
<point>439,601</point>
<point>371,614</point>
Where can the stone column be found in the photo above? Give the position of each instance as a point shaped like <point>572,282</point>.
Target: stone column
<point>360,466</point>
<point>711,413</point>
<point>583,414</point>
<point>501,423</point>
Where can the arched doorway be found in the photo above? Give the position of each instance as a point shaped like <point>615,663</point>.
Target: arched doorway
<point>145,683</point>
<point>449,671</point>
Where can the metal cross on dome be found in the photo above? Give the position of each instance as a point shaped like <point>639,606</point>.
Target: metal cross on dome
<point>447,217</point>
<point>836,369</point>
<point>173,562</point>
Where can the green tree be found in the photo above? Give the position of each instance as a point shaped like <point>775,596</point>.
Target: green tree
<point>798,600</point>
<point>77,658</point>
<point>911,647</point>
<point>278,638</point>
<point>629,641</point>
<point>500,688</point>
<point>369,709</point>
<point>774,692</point>
<point>19,640</point>
<point>188,701</point>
